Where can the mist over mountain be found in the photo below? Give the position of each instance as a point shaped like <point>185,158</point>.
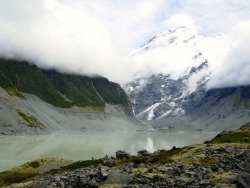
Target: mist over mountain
<point>77,37</point>
<point>186,78</point>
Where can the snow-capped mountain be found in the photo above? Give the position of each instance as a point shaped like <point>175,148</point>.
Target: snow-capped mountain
<point>160,96</point>
<point>176,67</point>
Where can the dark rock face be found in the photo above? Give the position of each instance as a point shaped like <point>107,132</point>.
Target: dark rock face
<point>162,91</point>
<point>173,104</point>
<point>186,100</point>
<point>175,96</point>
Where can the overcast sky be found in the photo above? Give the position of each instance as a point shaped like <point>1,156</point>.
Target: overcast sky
<point>95,37</point>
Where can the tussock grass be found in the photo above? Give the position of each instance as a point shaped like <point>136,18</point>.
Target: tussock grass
<point>31,120</point>
<point>241,135</point>
<point>14,92</point>
<point>218,176</point>
<point>10,177</point>
<point>82,164</point>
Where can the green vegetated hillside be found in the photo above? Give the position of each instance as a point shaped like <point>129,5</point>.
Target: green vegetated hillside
<point>61,90</point>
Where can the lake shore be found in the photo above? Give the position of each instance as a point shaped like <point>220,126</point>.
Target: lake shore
<point>222,162</point>
<point>76,145</point>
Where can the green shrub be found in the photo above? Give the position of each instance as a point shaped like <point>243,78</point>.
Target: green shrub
<point>31,120</point>
<point>34,164</point>
<point>164,156</point>
<point>82,164</point>
<point>14,92</point>
<point>233,137</point>
<point>10,177</point>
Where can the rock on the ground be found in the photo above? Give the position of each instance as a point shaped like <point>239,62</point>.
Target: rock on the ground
<point>122,154</point>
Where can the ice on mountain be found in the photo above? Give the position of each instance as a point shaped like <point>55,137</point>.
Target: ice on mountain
<point>185,62</point>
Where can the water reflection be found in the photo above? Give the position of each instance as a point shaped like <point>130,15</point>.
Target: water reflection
<point>15,150</point>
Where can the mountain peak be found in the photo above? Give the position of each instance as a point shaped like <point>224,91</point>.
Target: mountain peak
<point>178,65</point>
<point>179,49</point>
<point>171,36</point>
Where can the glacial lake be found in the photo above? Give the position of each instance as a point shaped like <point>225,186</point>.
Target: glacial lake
<point>16,150</point>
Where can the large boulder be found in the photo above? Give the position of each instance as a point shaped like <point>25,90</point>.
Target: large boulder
<point>144,153</point>
<point>118,177</point>
<point>122,154</point>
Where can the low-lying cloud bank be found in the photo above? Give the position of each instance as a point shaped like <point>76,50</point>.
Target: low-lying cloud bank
<point>234,70</point>
<point>74,39</point>
<point>54,35</point>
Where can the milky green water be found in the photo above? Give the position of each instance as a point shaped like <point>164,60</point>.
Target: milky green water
<point>16,150</point>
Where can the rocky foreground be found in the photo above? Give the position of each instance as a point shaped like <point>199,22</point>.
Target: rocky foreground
<point>221,162</point>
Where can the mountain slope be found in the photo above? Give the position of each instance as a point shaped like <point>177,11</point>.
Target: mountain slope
<point>176,94</point>
<point>36,101</point>
<point>185,68</point>
<point>58,89</point>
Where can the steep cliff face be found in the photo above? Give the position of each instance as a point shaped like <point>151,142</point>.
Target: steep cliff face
<point>37,101</point>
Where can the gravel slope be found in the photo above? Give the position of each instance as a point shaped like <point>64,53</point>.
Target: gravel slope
<point>46,118</point>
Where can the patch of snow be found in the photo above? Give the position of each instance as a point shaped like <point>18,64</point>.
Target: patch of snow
<point>149,111</point>
<point>178,56</point>
<point>197,78</point>
<point>165,114</point>
<point>172,104</point>
<point>178,112</point>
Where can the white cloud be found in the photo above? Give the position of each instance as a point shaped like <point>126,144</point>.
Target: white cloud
<point>181,19</point>
<point>212,16</point>
<point>235,69</point>
<point>173,52</point>
<point>59,36</point>
<point>172,60</point>
<point>130,22</point>
<point>93,37</point>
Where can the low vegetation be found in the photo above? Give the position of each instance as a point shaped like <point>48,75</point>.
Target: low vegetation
<point>30,170</point>
<point>241,135</point>
<point>30,120</point>
<point>82,164</point>
<point>58,89</point>
<point>34,164</point>
<point>160,157</point>
<point>10,177</point>
<point>165,156</point>
<point>14,92</point>
<point>202,161</point>
<point>226,175</point>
